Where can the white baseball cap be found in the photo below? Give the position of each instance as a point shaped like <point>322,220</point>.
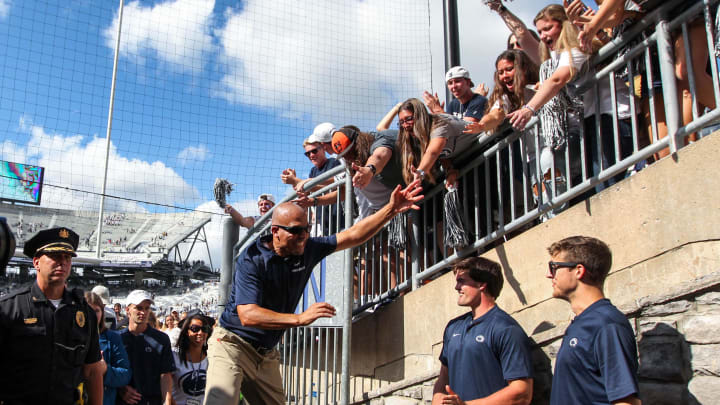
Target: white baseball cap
<point>103,293</point>
<point>138,296</point>
<point>322,133</point>
<point>263,197</point>
<point>458,72</point>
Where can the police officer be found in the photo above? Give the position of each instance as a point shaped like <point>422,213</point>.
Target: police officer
<point>48,334</point>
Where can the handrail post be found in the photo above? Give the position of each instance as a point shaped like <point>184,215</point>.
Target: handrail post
<point>415,248</point>
<point>669,85</point>
<point>348,295</point>
<point>231,234</point>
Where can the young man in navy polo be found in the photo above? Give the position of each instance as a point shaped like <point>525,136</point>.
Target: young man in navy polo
<point>597,361</point>
<point>486,354</point>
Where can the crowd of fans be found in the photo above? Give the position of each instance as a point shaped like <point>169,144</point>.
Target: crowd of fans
<point>540,74</point>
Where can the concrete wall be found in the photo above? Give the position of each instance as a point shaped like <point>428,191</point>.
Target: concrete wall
<point>663,226</point>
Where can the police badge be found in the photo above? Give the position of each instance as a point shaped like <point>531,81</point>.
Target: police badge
<point>80,318</point>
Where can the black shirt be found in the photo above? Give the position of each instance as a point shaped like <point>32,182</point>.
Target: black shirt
<point>150,356</point>
<point>44,348</point>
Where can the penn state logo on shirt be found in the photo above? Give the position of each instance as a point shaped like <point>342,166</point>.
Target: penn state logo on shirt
<point>193,382</point>
<point>480,338</point>
<point>573,342</point>
<point>295,264</point>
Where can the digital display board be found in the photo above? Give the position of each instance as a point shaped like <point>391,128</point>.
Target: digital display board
<point>20,182</point>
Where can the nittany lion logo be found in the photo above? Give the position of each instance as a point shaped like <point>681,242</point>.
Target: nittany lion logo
<point>573,342</point>
<point>479,338</point>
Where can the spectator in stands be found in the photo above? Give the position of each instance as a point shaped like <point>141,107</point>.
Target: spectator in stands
<point>191,361</point>
<point>117,367</point>
<point>269,279</point>
<point>150,355</point>
<point>525,39</point>
<point>578,13</point>
<point>514,45</point>
<point>374,167</point>
<point>265,202</point>
<point>514,71</point>
<point>466,104</point>
<point>560,108</point>
<point>612,13</point>
<point>486,335</point>
<point>597,361</point>
<point>315,151</point>
<point>425,139</point>
<point>109,319</point>
<point>172,330</point>
<point>119,316</point>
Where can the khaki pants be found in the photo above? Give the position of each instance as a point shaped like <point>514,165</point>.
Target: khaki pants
<point>234,366</point>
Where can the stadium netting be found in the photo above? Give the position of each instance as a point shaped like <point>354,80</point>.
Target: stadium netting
<point>204,89</point>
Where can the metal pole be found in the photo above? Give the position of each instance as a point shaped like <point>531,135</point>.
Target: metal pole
<point>415,248</point>
<point>348,294</point>
<point>452,39</point>
<point>231,234</point>
<point>669,85</point>
<point>109,129</point>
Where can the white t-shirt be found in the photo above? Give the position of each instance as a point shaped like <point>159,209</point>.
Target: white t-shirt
<point>589,97</point>
<point>189,381</point>
<point>457,141</point>
<point>502,104</point>
<point>173,334</point>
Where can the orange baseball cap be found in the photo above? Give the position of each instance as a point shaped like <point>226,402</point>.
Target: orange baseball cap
<point>343,140</point>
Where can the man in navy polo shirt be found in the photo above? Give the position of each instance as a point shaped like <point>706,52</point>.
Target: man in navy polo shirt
<point>597,361</point>
<point>269,279</point>
<point>486,354</point>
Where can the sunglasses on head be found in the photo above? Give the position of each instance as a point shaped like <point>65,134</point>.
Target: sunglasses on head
<point>295,230</point>
<point>554,266</point>
<point>311,152</point>
<point>198,328</point>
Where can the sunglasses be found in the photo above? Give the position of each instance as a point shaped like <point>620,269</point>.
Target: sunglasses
<point>198,328</point>
<point>311,152</point>
<point>295,230</point>
<point>554,266</point>
<point>406,120</point>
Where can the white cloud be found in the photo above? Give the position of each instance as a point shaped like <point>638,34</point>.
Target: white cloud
<point>176,31</point>
<point>329,58</point>
<point>77,162</point>
<point>4,8</point>
<point>193,154</point>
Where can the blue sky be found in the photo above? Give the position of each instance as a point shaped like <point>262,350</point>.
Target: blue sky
<point>212,88</point>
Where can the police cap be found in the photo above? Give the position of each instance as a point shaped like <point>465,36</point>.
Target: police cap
<point>52,240</point>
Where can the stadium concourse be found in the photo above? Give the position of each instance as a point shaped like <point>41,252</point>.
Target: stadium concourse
<point>134,246</point>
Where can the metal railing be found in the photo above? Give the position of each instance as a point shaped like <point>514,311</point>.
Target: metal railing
<point>508,183</point>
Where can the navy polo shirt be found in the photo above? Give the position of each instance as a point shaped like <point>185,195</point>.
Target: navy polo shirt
<point>482,355</point>
<point>474,108</point>
<point>276,283</point>
<point>150,356</point>
<point>597,362</point>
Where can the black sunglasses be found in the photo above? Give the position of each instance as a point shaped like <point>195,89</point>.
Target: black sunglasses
<point>295,230</point>
<point>553,266</point>
<point>407,120</point>
<point>198,328</point>
<point>311,152</point>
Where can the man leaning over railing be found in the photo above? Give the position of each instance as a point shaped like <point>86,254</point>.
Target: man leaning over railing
<point>269,279</point>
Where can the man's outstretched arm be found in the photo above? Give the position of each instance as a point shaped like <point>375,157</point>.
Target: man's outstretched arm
<point>400,201</point>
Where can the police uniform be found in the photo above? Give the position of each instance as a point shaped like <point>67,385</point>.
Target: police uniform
<point>44,347</point>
